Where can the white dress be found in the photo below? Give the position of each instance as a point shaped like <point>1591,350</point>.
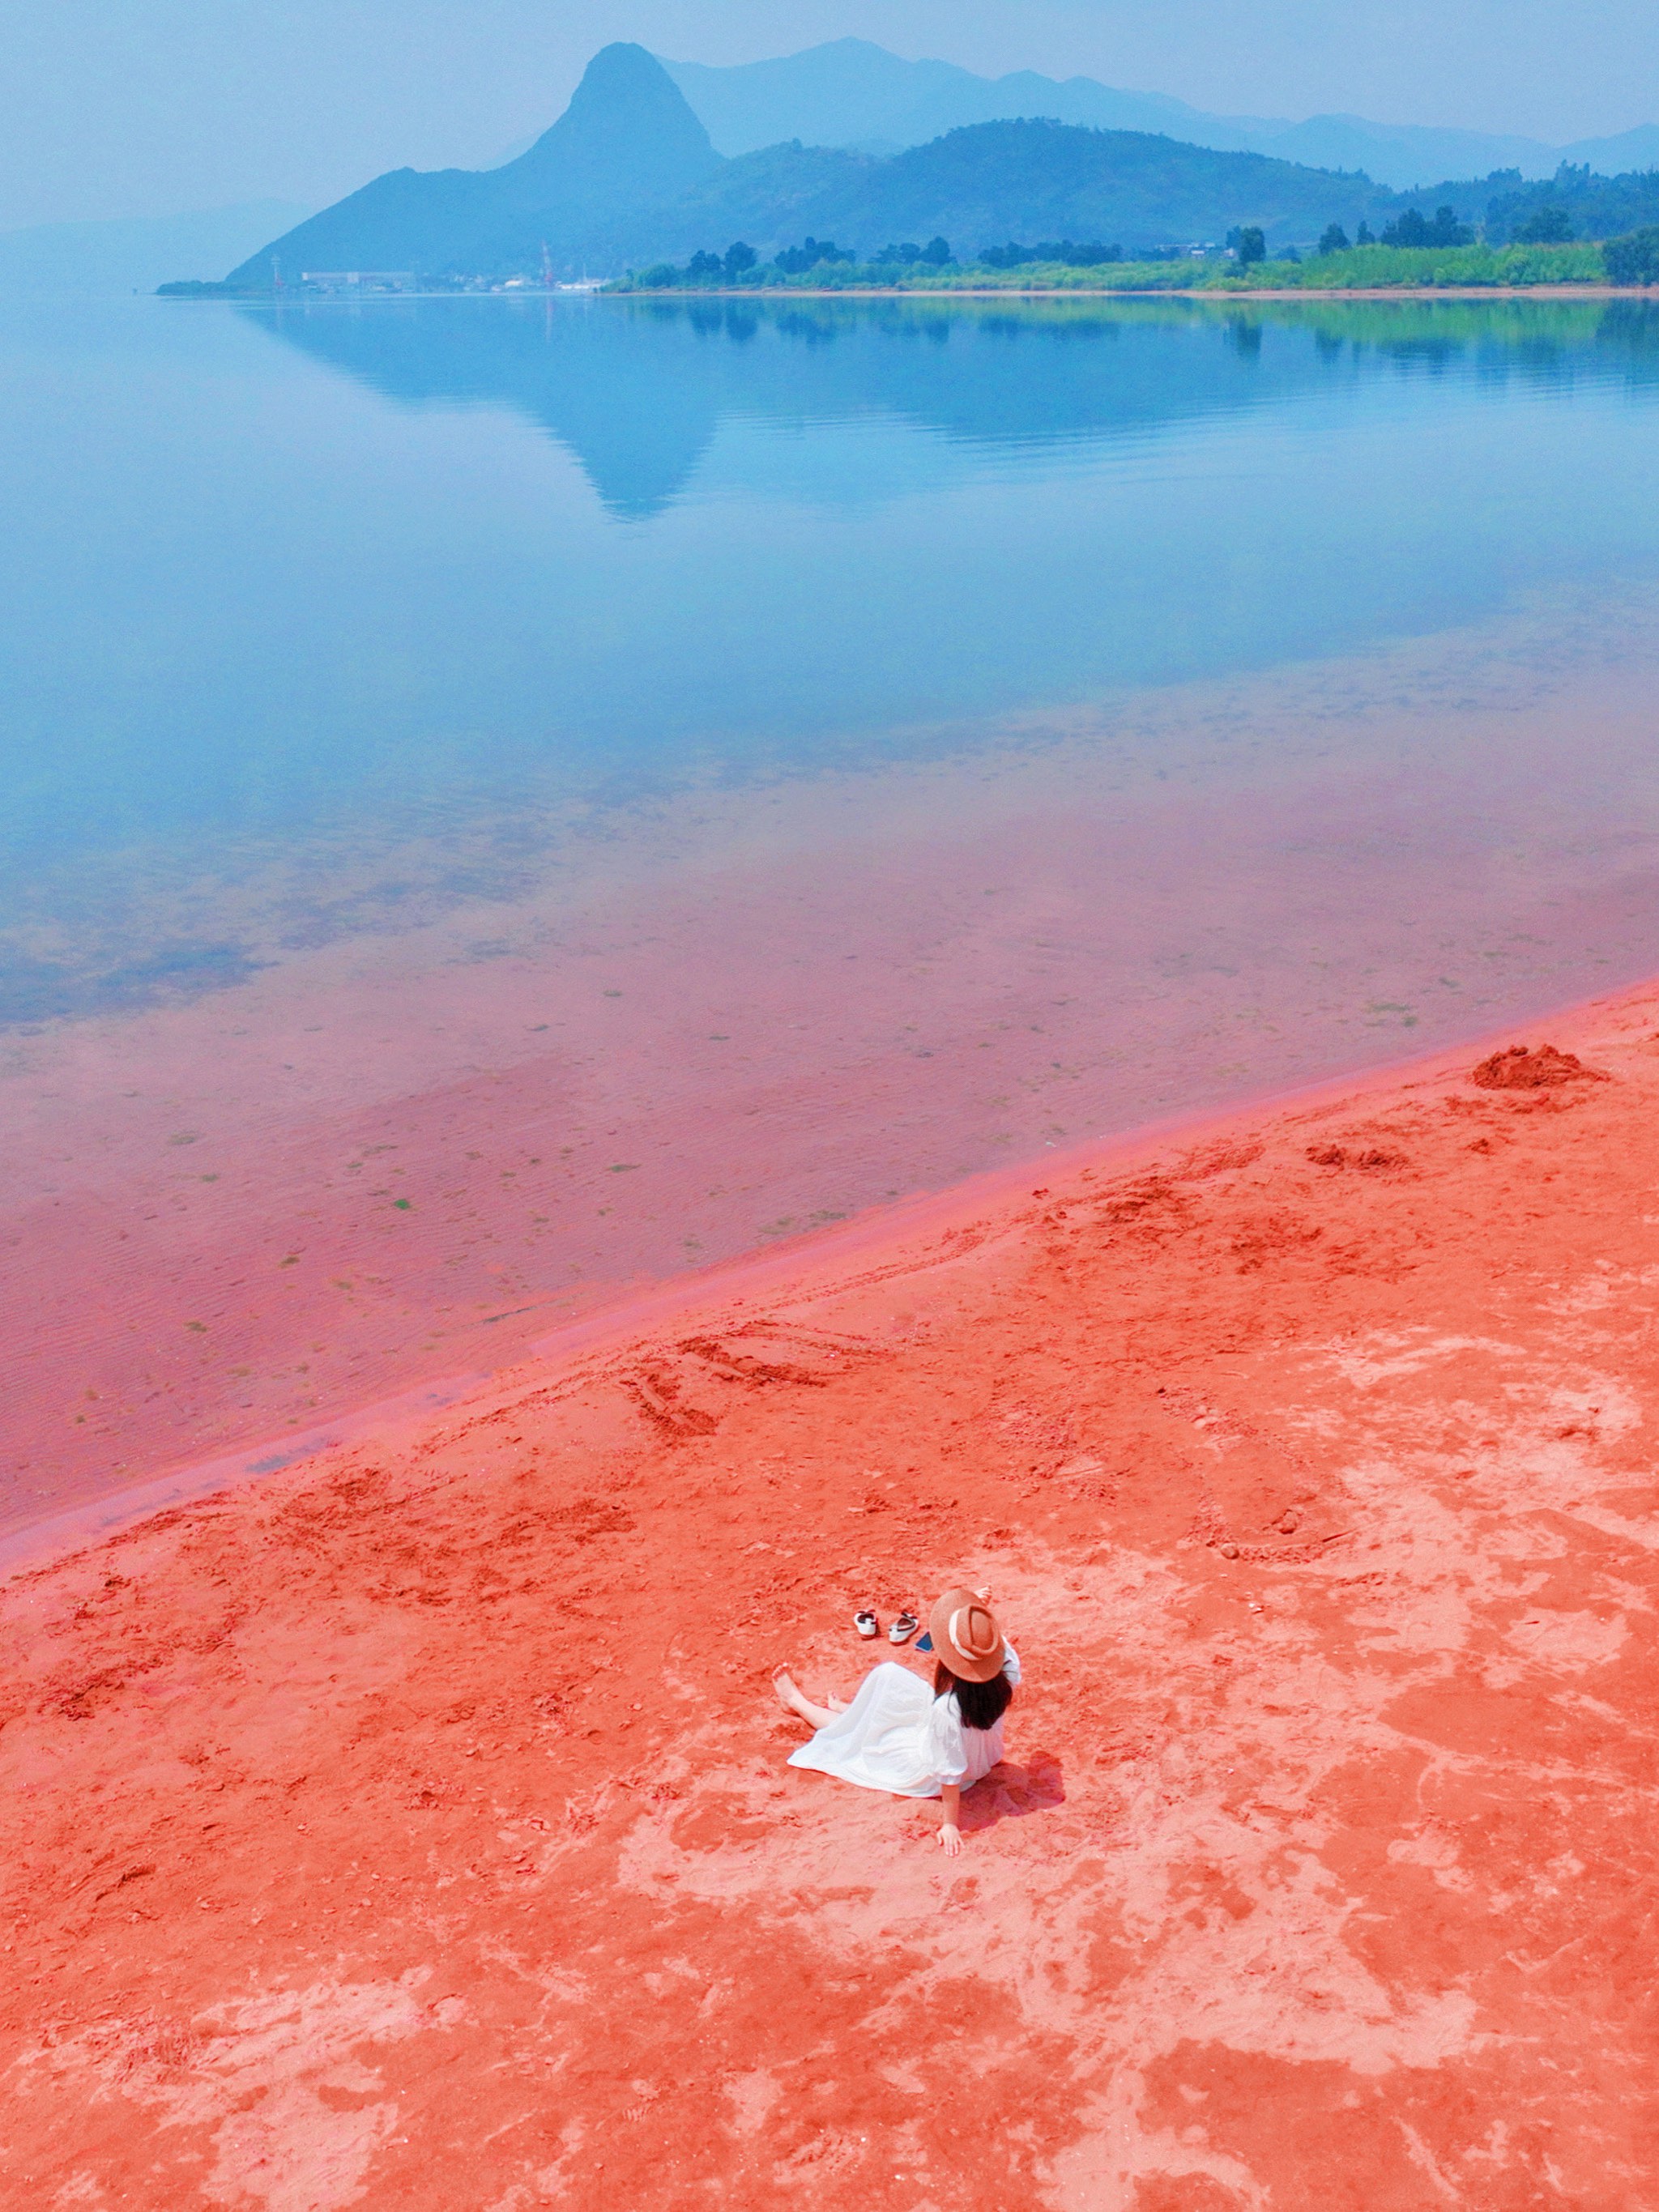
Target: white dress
<point>896,1735</point>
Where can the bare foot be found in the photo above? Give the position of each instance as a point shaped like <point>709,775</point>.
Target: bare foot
<point>793,1702</point>
<point>837,1705</point>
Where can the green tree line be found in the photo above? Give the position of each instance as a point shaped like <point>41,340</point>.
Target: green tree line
<point>1414,251</point>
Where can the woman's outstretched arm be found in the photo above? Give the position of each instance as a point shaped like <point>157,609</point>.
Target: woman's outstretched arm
<point>950,1835</point>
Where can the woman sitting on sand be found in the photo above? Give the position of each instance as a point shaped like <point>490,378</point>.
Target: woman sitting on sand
<point>899,1736</point>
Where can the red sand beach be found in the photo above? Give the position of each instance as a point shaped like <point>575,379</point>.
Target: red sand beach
<point>412,1829</point>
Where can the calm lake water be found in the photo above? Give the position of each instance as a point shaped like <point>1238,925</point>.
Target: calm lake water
<point>502,799</point>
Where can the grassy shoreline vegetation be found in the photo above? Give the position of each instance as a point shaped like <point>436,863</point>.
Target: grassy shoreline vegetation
<point>1370,268</point>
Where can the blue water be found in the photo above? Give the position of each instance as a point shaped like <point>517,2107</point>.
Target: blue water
<point>279,584</point>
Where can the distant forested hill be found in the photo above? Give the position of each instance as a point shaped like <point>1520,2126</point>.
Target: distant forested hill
<point>992,181</point>
<point>628,176</point>
<point>1576,204</point>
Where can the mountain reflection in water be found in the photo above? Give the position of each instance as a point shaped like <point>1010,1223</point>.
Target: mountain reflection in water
<point>635,389</point>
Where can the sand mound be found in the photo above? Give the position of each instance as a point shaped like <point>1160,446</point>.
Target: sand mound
<point>1522,1068</point>
<point>413,1830</point>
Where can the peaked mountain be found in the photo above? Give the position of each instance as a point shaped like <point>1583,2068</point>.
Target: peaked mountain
<point>626,144</point>
<point>851,92</point>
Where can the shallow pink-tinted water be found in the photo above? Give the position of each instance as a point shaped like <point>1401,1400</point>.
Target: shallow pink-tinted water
<point>401,1158</point>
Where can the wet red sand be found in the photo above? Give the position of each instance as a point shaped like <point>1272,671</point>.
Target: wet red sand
<point>401,1158</point>
<point>413,1830</point>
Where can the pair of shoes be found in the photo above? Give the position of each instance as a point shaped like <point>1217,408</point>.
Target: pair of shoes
<point>901,1632</point>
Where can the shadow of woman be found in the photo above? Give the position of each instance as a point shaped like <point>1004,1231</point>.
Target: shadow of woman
<point>1010,1793</point>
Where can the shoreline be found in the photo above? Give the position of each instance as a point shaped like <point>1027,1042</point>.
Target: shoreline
<point>782,293</point>
<point>1120,292</point>
<point>798,1269</point>
<point>1376,896</point>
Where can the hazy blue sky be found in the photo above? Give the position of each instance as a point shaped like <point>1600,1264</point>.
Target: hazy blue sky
<point>149,107</point>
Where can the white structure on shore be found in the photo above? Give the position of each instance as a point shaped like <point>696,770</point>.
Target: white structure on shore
<point>359,280</point>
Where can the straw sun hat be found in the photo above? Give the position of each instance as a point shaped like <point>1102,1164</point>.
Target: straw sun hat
<point>967,1637</point>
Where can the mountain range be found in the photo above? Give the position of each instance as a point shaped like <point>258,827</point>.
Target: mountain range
<point>630,175</point>
<point>850,92</point>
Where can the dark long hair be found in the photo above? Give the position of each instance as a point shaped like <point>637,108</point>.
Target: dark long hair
<point>981,1704</point>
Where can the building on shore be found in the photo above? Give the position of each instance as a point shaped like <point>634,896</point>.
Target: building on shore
<point>358,280</point>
